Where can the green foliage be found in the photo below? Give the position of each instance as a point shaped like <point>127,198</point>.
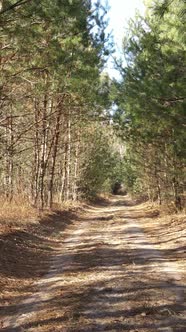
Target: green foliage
<point>52,55</point>
<point>100,166</point>
<point>151,101</point>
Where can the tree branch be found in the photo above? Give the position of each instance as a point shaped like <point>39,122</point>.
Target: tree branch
<point>17,4</point>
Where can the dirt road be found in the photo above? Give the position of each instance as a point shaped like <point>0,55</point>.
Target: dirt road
<point>109,273</point>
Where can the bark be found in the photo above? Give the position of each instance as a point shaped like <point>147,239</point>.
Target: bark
<point>36,172</point>
<point>43,153</point>
<point>68,156</point>
<point>54,155</point>
<point>76,168</point>
<point>9,157</point>
<point>177,197</point>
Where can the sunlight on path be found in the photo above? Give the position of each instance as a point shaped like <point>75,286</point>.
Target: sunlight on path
<point>106,276</point>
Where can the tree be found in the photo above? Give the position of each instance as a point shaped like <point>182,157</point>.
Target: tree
<point>52,54</point>
<point>151,101</point>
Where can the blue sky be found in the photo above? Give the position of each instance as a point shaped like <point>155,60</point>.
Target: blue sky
<point>120,12</point>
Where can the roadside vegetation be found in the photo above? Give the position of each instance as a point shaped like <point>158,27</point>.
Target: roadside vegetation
<point>70,136</point>
<point>58,139</point>
<point>151,103</point>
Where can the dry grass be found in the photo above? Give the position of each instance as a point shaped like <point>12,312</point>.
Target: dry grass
<point>67,205</point>
<point>19,210</point>
<point>28,240</point>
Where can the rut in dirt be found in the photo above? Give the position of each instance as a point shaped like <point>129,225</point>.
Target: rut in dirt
<point>107,276</point>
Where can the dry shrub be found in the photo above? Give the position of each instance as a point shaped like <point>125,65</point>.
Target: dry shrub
<point>18,210</point>
<point>67,205</point>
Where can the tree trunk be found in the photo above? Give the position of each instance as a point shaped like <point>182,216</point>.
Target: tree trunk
<point>68,157</point>
<point>54,155</point>
<point>76,168</point>
<point>9,157</point>
<point>177,198</point>
<point>43,153</point>
<point>36,168</point>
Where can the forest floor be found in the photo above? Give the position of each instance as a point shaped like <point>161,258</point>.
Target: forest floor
<point>116,266</point>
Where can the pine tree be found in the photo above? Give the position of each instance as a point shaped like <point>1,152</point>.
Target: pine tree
<point>151,101</point>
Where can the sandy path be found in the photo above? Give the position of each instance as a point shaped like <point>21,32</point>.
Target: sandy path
<point>106,276</point>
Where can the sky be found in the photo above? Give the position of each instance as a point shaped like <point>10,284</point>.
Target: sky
<point>120,12</point>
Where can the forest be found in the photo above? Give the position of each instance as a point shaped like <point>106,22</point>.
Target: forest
<point>92,167</point>
<point>67,130</point>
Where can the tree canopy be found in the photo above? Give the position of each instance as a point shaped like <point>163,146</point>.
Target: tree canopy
<point>58,138</point>
<point>151,101</point>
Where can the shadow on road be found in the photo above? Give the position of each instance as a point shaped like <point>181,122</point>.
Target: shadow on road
<point>102,285</point>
